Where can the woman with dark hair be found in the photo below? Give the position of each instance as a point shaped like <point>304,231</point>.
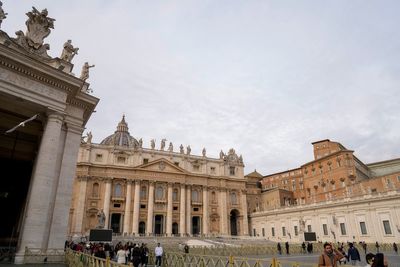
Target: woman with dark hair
<point>379,261</point>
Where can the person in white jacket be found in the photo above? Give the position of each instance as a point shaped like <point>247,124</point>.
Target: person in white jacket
<point>121,255</point>
<point>158,252</point>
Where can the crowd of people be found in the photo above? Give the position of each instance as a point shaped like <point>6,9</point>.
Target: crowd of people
<point>127,253</point>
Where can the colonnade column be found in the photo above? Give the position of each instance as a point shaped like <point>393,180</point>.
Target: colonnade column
<point>169,210</point>
<point>245,223</point>
<point>106,205</point>
<point>182,208</point>
<point>80,210</point>
<point>136,206</point>
<point>150,206</point>
<point>205,210</point>
<point>127,206</point>
<point>42,185</point>
<point>188,210</point>
<point>223,212</point>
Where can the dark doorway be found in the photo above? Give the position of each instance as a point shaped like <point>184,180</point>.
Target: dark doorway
<point>158,224</point>
<point>174,228</point>
<point>195,225</point>
<point>234,222</point>
<point>116,222</point>
<point>142,228</point>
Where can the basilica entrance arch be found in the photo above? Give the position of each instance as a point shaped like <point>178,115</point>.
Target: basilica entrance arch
<point>234,221</point>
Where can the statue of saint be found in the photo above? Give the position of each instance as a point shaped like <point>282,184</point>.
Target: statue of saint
<point>221,154</point>
<point>39,26</point>
<point>85,71</point>
<point>163,143</point>
<point>3,15</point>
<point>170,147</point>
<point>188,150</point>
<point>89,137</point>
<point>101,220</point>
<point>181,150</point>
<point>69,51</point>
<point>204,152</point>
<point>140,143</point>
<point>153,143</point>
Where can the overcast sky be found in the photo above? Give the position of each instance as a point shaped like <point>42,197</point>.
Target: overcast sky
<point>266,78</point>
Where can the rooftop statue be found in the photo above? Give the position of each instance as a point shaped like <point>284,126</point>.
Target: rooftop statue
<point>3,15</point>
<point>221,154</point>
<point>204,152</point>
<point>188,150</point>
<point>181,150</point>
<point>163,143</point>
<point>171,147</point>
<point>153,143</point>
<point>69,51</point>
<point>89,137</point>
<point>85,71</point>
<point>140,143</point>
<point>38,27</point>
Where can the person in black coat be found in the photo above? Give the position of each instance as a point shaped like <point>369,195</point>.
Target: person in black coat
<point>144,250</point>
<point>279,248</point>
<point>353,254</point>
<point>135,255</point>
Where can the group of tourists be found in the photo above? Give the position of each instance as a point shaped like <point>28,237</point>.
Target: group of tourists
<point>331,256</point>
<point>127,253</point>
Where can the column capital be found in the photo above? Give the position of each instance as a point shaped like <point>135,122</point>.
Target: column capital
<point>82,177</point>
<point>205,187</point>
<point>137,182</point>
<point>170,184</point>
<point>152,183</point>
<point>129,181</point>
<point>55,115</point>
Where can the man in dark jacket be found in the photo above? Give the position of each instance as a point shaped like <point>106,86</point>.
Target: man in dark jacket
<point>353,254</point>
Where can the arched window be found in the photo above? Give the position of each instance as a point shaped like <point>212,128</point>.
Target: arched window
<point>95,190</point>
<point>175,195</point>
<point>233,198</point>
<point>118,190</point>
<point>213,197</point>
<point>195,196</point>
<point>143,192</point>
<point>159,193</point>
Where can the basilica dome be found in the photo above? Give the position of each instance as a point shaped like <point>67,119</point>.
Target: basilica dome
<point>121,136</point>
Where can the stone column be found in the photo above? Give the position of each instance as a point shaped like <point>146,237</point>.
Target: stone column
<point>205,210</point>
<point>136,207</point>
<point>63,196</point>
<point>127,206</point>
<point>80,210</point>
<point>169,211</point>
<point>106,205</point>
<point>182,208</point>
<point>223,212</point>
<point>35,225</point>
<point>150,207</point>
<point>245,224</point>
<point>188,210</point>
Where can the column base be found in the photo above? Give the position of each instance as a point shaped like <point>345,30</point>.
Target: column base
<point>19,257</point>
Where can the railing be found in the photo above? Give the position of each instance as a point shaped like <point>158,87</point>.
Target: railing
<point>33,255</point>
<point>78,259</point>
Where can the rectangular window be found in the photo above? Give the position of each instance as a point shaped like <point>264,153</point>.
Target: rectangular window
<point>117,205</point>
<point>283,231</point>
<point>142,206</point>
<point>263,231</point>
<point>145,161</point>
<point>99,157</point>
<point>363,228</point>
<point>231,170</point>
<point>175,208</point>
<point>309,229</point>
<point>301,186</point>
<point>398,178</point>
<point>196,168</point>
<point>121,160</point>
<point>195,209</point>
<point>273,231</point>
<point>212,169</point>
<point>296,230</point>
<point>386,226</point>
<point>254,232</point>
<point>325,228</point>
<point>342,228</point>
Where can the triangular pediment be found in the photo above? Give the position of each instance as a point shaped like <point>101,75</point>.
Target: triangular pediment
<point>161,165</point>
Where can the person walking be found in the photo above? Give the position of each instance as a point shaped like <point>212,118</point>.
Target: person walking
<point>329,257</point>
<point>353,254</point>
<point>145,255</point>
<point>158,251</point>
<point>364,246</point>
<point>279,248</point>
<point>303,247</point>
<point>136,255</point>
<point>369,258</point>
<point>121,255</point>
<point>395,247</point>
<point>287,247</point>
<point>377,246</point>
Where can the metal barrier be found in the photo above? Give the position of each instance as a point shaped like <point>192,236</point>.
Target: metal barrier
<point>78,259</point>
